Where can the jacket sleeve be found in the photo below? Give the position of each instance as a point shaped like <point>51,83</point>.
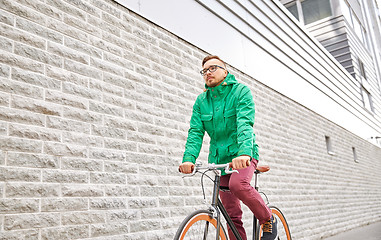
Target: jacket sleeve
<point>245,122</point>
<point>196,134</point>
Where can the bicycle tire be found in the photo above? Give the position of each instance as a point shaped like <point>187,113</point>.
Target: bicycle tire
<point>282,226</point>
<point>195,224</point>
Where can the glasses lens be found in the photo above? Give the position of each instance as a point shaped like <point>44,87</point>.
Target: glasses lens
<point>212,68</point>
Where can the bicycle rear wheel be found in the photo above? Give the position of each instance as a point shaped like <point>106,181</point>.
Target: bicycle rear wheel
<point>282,226</point>
<point>199,225</point>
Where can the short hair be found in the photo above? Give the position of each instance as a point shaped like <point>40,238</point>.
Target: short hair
<point>207,58</point>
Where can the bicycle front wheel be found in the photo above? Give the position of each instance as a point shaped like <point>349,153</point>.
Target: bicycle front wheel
<point>199,225</point>
<point>282,226</point>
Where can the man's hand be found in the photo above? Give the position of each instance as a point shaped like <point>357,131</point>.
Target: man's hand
<point>186,167</point>
<point>241,162</point>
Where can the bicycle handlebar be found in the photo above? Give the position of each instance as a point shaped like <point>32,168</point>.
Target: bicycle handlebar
<point>212,166</point>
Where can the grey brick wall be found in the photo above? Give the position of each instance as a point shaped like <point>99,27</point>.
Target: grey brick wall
<point>95,103</point>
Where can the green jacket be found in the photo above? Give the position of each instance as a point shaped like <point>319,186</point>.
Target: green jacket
<point>226,113</point>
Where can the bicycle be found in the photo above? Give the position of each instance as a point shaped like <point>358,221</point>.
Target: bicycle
<point>206,223</point>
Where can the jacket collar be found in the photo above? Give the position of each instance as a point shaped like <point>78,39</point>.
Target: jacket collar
<point>229,79</point>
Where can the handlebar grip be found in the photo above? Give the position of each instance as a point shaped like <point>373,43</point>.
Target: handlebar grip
<point>247,164</point>
<point>192,168</point>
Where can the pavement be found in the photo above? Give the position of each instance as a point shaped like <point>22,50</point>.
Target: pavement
<point>368,232</point>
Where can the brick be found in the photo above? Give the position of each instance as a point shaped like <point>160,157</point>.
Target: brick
<point>109,229</point>
<point>138,203</point>
<point>14,222</point>
<point>103,26</point>
<point>7,18</point>
<point>108,132</point>
<point>37,106</point>
<point>151,149</point>
<point>81,164</point>
<point>21,62</point>
<point>34,79</point>
<point>122,215</point>
<point>155,213</point>
<point>37,133</point>
<point>120,167</point>
<point>82,69</point>
<point>20,145</point>
<point>20,36</point>
<point>106,66</point>
<point>81,139</point>
<point>157,191</point>
<point>145,225</point>
<point>38,55</point>
<point>66,99</point>
<point>73,190</point>
<point>83,116</point>
<point>20,235</point>
<point>30,190</point>
<point>67,125</point>
<point>6,44</point>
<point>69,9</point>
<point>118,81</point>
<point>9,206</point>
<point>39,30</point>
<point>64,205</point>
<point>108,203</point>
<point>4,71</point>
<point>83,5</point>
<point>106,7</point>
<point>67,150</point>
<point>19,174</point>
<point>83,47</point>
<point>66,30</point>
<point>22,11</point>
<point>32,160</point>
<point>70,232</point>
<point>120,145</point>
<point>84,217</point>
<point>107,178</point>
<point>64,176</point>
<point>80,91</point>
<point>104,45</point>
<point>121,191</point>
<point>110,91</point>
<point>14,87</point>
<point>139,116</point>
<point>4,99</point>
<point>65,52</point>
<point>84,26</point>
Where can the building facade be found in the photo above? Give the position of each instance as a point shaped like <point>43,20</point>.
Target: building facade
<point>95,102</point>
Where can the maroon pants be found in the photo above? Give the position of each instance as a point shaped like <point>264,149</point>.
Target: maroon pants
<point>240,189</point>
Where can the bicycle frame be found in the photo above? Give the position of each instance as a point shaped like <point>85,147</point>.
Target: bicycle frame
<point>217,204</point>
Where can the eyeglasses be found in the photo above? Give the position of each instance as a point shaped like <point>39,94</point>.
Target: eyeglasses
<point>211,69</point>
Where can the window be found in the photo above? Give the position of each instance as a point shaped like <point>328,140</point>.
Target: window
<point>309,11</point>
<point>329,145</point>
<point>354,154</point>
<point>346,11</point>
<point>293,10</point>
<point>314,10</point>
<point>362,70</point>
<point>367,99</point>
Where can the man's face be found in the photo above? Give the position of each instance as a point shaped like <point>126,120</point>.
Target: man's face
<point>213,79</point>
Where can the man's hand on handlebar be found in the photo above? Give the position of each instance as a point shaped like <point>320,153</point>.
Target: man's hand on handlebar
<point>186,167</point>
<point>241,162</point>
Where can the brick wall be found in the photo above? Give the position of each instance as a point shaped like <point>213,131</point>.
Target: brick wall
<point>95,103</point>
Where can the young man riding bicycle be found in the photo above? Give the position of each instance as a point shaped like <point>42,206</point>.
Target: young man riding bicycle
<point>226,112</point>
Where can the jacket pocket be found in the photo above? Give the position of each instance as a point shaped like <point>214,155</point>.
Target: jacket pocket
<point>207,122</point>
<point>230,117</point>
<point>232,150</point>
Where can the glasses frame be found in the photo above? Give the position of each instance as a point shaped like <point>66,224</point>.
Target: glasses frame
<point>204,71</point>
